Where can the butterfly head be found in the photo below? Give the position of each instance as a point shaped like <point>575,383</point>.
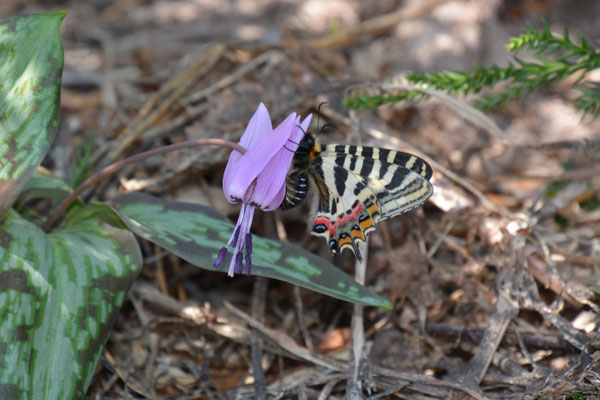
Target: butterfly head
<point>308,147</point>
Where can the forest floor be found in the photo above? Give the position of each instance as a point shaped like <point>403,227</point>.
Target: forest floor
<point>494,281</point>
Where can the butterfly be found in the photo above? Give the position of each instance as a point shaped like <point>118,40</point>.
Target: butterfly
<point>357,187</point>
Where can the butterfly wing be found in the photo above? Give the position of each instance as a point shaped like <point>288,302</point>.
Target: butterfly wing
<point>364,185</point>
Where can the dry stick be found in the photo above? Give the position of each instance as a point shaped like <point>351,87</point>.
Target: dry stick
<point>374,26</point>
<point>467,334</point>
<point>282,234</point>
<point>300,312</point>
<point>259,296</point>
<point>357,334</point>
<point>505,309</point>
<point>113,168</point>
<point>229,79</point>
<point>357,338</point>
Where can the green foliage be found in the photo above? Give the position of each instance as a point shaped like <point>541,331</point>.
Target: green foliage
<point>196,233</point>
<point>595,289</point>
<point>556,58</point>
<point>553,188</point>
<point>59,294</point>
<point>372,102</point>
<point>82,165</point>
<point>578,396</point>
<point>561,221</point>
<point>591,204</point>
<point>31,65</point>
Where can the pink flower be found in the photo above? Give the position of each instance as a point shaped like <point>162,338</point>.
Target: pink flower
<point>257,178</point>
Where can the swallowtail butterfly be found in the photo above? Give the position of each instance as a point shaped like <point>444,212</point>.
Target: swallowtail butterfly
<point>357,187</point>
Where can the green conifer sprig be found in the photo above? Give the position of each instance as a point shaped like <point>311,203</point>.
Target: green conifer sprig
<point>555,58</point>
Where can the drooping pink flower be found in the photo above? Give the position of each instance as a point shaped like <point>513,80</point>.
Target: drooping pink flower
<point>257,178</point>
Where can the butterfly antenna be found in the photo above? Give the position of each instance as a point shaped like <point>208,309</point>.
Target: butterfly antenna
<point>319,113</point>
<point>323,128</point>
<point>319,119</point>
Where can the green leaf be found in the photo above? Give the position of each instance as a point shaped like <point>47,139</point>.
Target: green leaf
<point>59,296</point>
<point>31,68</point>
<point>42,186</point>
<point>196,233</point>
<point>95,209</point>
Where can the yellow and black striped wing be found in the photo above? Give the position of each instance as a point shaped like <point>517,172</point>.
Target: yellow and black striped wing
<point>359,186</point>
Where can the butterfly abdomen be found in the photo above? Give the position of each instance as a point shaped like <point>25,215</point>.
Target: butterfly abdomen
<point>298,177</point>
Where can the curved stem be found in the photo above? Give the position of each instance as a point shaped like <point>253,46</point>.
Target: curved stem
<point>111,169</point>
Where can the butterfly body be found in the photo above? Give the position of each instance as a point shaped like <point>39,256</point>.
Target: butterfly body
<point>357,187</point>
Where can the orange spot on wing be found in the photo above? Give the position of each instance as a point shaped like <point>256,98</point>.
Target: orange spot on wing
<point>373,209</point>
<point>366,224</point>
<point>357,234</point>
<point>344,241</point>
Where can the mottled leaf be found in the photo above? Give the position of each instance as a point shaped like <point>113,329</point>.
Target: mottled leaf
<point>196,233</point>
<point>59,296</point>
<point>31,65</point>
<point>42,186</point>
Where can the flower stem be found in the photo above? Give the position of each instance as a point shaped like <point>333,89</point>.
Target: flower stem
<point>113,168</point>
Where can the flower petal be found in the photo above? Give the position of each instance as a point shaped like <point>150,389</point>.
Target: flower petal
<point>300,132</point>
<point>258,127</point>
<point>270,184</point>
<point>242,174</point>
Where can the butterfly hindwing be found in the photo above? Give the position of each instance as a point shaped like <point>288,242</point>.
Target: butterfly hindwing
<point>366,190</point>
<point>357,187</point>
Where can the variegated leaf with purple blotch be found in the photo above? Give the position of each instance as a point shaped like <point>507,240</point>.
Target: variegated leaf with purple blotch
<point>31,65</point>
<point>196,233</point>
<point>59,296</point>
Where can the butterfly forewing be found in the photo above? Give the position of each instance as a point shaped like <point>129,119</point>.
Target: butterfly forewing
<point>357,187</point>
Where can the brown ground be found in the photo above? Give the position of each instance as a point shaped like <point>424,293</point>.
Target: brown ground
<point>491,295</point>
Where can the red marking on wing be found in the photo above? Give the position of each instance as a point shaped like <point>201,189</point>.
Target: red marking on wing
<point>327,222</point>
<point>350,217</point>
<point>346,218</point>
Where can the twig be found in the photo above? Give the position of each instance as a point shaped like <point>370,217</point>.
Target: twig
<point>300,312</point>
<point>284,341</point>
<point>505,310</point>
<point>357,336</point>
<point>282,234</point>
<point>258,312</point>
<point>327,389</point>
<point>131,382</point>
<point>374,26</point>
<point>229,79</point>
<point>113,168</point>
<point>467,334</point>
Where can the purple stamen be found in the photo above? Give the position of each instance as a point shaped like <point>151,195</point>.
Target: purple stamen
<point>248,264</point>
<point>239,263</point>
<point>236,235</point>
<point>220,257</point>
<point>248,243</point>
